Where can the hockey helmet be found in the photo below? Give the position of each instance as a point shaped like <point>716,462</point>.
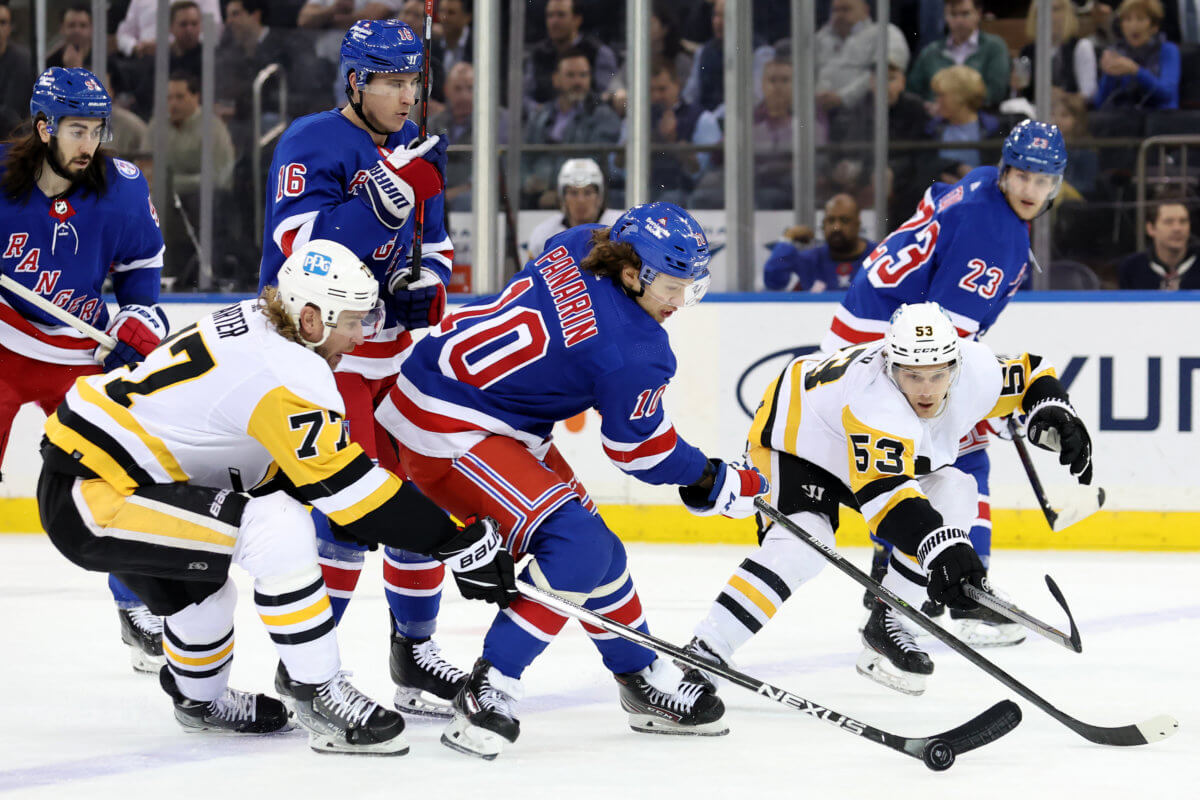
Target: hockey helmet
<point>379,46</point>
<point>669,241</point>
<point>921,334</point>
<point>327,275</point>
<point>1035,147</point>
<point>580,172</point>
<point>71,92</point>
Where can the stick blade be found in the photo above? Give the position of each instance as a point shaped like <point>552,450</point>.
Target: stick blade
<point>1158,728</point>
<point>983,729</point>
<point>1074,639</point>
<point>1083,505</point>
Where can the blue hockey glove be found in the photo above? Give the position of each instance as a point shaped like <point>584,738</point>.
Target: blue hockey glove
<point>138,330</point>
<point>419,303</point>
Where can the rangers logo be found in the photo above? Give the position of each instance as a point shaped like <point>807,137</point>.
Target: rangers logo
<point>127,169</point>
<point>1040,144</point>
<point>317,264</point>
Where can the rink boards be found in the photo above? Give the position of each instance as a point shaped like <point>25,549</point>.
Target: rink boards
<point>1130,361</point>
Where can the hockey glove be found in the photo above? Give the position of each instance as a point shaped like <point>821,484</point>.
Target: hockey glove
<point>418,304</point>
<point>1054,426</point>
<point>482,567</point>
<point>732,494</point>
<point>947,555</point>
<point>138,330</point>
<point>422,165</point>
<point>389,196</point>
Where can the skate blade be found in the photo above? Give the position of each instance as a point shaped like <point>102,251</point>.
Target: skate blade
<point>979,635</point>
<point>647,723</point>
<point>464,737</point>
<point>421,704</point>
<point>323,743</point>
<point>143,662</point>
<point>875,667</point>
<point>190,725</point>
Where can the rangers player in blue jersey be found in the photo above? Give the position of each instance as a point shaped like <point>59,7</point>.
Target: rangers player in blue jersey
<point>473,409</point>
<point>354,176</point>
<point>967,249</point>
<point>71,215</point>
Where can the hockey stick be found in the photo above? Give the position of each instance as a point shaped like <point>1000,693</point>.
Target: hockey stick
<point>1151,730</point>
<point>938,752</point>
<point>1070,641</point>
<point>1075,510</point>
<point>419,225</point>
<point>61,314</point>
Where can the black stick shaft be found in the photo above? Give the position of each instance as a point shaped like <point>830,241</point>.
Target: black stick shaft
<point>1031,473</point>
<point>419,214</point>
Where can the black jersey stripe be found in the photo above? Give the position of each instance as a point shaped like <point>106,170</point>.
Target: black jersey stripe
<point>344,477</point>
<point>773,581</point>
<point>743,616</point>
<point>289,597</point>
<point>878,487</point>
<point>769,426</point>
<point>303,637</point>
<point>910,521</point>
<point>103,441</point>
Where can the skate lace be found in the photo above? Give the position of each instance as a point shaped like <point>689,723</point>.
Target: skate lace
<point>492,698</point>
<point>146,621</point>
<point>682,700</point>
<point>429,658</point>
<point>899,634</point>
<point>345,701</point>
<point>233,706</point>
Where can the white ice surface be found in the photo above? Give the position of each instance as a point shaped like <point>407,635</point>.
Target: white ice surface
<point>76,721</point>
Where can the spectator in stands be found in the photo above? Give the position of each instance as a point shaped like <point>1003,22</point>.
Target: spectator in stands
<point>185,38</point>
<point>454,121</point>
<point>75,28</point>
<point>131,134</point>
<point>965,45</point>
<point>666,47</point>
<point>1170,261</point>
<point>1073,61</point>
<point>846,48</point>
<point>563,23</point>
<point>454,20</point>
<point>706,84</point>
<point>1141,69</point>
<point>1069,113</point>
<point>959,95</point>
<point>576,115</point>
<point>772,134</point>
<point>136,33</point>
<point>16,76</point>
<point>831,265</point>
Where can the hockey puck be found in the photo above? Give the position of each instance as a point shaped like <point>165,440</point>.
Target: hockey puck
<point>938,755</point>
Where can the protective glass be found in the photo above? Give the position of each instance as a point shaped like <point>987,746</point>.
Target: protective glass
<point>77,133</point>
<point>392,89</point>
<point>677,291</point>
<point>371,323</point>
<point>914,380</point>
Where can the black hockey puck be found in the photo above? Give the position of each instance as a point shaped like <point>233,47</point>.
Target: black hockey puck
<point>938,755</point>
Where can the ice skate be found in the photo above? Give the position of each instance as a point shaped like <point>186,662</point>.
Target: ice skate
<point>142,631</point>
<point>340,718</point>
<point>890,656</point>
<point>702,649</point>
<point>982,627</point>
<point>425,681</point>
<point>692,709</point>
<point>232,712</point>
<point>484,713</point>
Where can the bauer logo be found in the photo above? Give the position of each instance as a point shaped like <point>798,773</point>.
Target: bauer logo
<point>317,264</point>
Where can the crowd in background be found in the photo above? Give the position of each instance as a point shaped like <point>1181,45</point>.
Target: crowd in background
<point>960,72</point>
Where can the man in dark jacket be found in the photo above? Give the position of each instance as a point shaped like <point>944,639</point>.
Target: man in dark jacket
<point>1169,263</point>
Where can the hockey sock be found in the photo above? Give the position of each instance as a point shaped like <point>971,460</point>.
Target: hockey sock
<point>906,580</point>
<point>981,531</point>
<point>296,611</point>
<point>618,600</point>
<point>341,564</point>
<point>748,602</point>
<point>413,585</point>
<point>198,644</point>
<point>122,596</point>
<point>882,550</point>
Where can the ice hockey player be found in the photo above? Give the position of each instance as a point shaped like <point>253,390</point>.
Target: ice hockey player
<point>354,176</point>
<point>473,409</point>
<point>967,249</point>
<point>879,433</point>
<point>145,474</point>
<point>71,214</point>
<point>581,196</point>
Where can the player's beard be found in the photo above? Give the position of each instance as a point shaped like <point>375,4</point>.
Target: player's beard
<point>54,159</point>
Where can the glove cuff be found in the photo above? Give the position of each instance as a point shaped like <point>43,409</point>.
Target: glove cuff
<point>941,539</point>
<point>472,547</point>
<point>1042,405</point>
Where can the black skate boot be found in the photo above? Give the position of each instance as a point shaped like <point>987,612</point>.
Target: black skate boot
<point>340,718</point>
<point>890,656</point>
<point>425,682</point>
<point>232,712</point>
<point>484,713</point>
<point>701,649</point>
<point>879,565</point>
<point>982,627</point>
<point>693,709</point>
<point>142,631</point>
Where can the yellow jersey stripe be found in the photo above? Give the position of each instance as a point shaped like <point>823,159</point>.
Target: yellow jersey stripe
<point>763,415</point>
<point>199,661</point>
<point>374,500</point>
<point>753,595</point>
<point>792,428</point>
<point>122,417</point>
<point>94,458</point>
<point>304,614</point>
<point>115,512</point>
<point>893,501</point>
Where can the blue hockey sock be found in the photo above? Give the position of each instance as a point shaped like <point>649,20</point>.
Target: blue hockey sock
<point>413,585</point>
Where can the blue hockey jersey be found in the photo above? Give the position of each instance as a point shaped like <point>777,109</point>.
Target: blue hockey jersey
<point>556,342</point>
<point>319,166</point>
<point>64,248</point>
<point>965,248</point>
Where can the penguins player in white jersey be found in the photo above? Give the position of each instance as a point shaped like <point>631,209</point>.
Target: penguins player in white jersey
<point>581,196</point>
<point>204,455</point>
<point>876,427</point>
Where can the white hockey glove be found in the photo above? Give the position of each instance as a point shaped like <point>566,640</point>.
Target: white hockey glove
<point>482,568</point>
<point>138,330</point>
<point>1053,425</point>
<point>948,557</point>
<point>732,494</point>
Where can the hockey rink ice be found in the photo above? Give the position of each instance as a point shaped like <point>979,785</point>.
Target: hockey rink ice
<point>79,723</point>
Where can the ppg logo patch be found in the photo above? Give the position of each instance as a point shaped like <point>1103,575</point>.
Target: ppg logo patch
<point>317,264</point>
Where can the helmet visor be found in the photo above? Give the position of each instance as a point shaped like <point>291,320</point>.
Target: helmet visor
<point>350,321</point>
<point>678,292</point>
<point>77,130</point>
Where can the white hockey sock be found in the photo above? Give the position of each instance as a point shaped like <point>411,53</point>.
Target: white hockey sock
<point>198,645</point>
<point>296,611</point>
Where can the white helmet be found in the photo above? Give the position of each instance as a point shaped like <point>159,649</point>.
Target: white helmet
<point>327,275</point>
<point>580,172</point>
<point>921,334</point>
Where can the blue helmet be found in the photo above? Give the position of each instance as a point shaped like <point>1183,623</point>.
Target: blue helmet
<point>669,241</point>
<point>70,92</point>
<point>1035,147</point>
<point>379,45</point>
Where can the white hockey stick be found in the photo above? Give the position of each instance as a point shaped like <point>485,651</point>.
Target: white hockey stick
<point>61,314</point>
